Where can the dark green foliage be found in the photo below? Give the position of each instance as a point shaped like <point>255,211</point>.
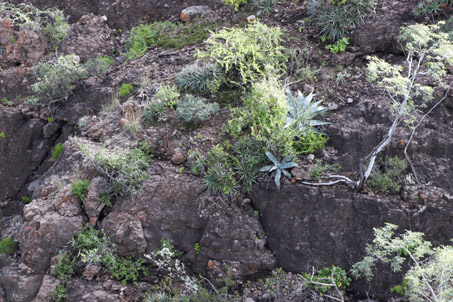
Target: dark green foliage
<point>144,36</point>
<point>64,268</point>
<point>430,8</point>
<point>57,151</point>
<point>387,179</point>
<point>200,79</point>
<point>279,167</point>
<point>336,18</point>
<point>126,269</point>
<point>60,293</point>
<point>7,246</point>
<point>125,89</point>
<point>95,247</point>
<point>105,199</point>
<point>80,188</point>
<point>326,275</point>
<point>195,110</point>
<point>264,7</point>
<point>310,142</point>
<point>153,111</point>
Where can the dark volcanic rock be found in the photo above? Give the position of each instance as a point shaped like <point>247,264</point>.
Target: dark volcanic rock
<point>307,227</point>
<point>175,206</point>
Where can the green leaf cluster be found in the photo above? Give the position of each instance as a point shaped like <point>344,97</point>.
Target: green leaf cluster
<point>126,169</point>
<point>326,276</point>
<point>193,110</point>
<point>387,179</point>
<point>57,151</point>
<point>244,53</point>
<point>80,188</point>
<point>7,246</point>
<point>431,269</point>
<point>335,20</point>
<point>279,167</point>
<point>200,79</point>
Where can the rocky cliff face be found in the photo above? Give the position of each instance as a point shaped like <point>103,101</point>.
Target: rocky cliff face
<point>297,228</point>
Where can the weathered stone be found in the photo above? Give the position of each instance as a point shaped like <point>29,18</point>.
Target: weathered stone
<point>307,227</point>
<point>85,291</point>
<point>179,156</point>
<point>88,38</point>
<point>193,12</point>
<point>92,204</point>
<point>45,294</point>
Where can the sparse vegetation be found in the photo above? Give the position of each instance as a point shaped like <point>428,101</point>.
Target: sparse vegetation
<point>194,110</point>
<point>125,89</point>
<point>80,188</point>
<point>430,269</point>
<point>57,151</point>
<point>7,246</point>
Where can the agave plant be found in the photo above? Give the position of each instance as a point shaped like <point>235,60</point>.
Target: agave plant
<point>279,167</point>
<point>302,113</point>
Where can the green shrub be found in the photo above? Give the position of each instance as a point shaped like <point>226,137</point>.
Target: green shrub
<point>338,46</point>
<point>387,180</point>
<point>7,246</point>
<point>2,134</point>
<point>80,188</point>
<point>105,199</point>
<point>57,151</point>
<point>60,293</point>
<point>125,169</point>
<point>56,79</point>
<point>201,79</point>
<point>125,89</point>
<point>153,111</point>
<point>144,36</point>
<point>336,18</point>
<point>168,94</point>
<point>243,54</point>
<point>326,276</point>
<point>98,66</point>
<point>430,8</point>
<point>430,269</point>
<point>195,110</point>
<point>50,21</point>
<point>320,171</point>
<point>64,269</point>
<point>95,247</point>
<point>310,142</point>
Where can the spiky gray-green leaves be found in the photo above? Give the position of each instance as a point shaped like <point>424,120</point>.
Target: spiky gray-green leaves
<point>302,113</point>
<point>199,78</point>
<point>279,167</point>
<point>195,110</point>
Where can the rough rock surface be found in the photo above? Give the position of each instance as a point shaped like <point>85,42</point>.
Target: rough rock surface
<point>84,291</point>
<point>88,38</point>
<point>174,206</point>
<point>23,148</point>
<point>20,48</point>
<point>381,27</point>
<point>308,227</point>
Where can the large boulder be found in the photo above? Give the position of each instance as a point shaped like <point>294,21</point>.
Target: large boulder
<point>307,227</point>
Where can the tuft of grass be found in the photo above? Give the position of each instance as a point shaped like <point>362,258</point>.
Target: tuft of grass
<point>7,246</point>
<point>125,89</point>
<point>57,151</point>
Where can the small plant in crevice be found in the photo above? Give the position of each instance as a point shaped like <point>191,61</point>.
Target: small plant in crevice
<point>57,151</point>
<point>80,188</point>
<point>63,270</point>
<point>125,89</point>
<point>194,110</point>
<point>168,94</point>
<point>431,8</point>
<point>56,79</point>
<point>338,46</point>
<point>279,167</point>
<point>124,168</point>
<point>200,79</point>
<point>387,179</point>
<point>326,279</point>
<point>98,66</point>
<point>2,134</point>
<point>7,246</point>
<point>264,7</point>
<point>132,120</point>
<point>320,171</point>
<point>105,199</point>
<point>153,111</point>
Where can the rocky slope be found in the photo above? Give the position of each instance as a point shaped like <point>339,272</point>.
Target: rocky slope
<point>296,228</point>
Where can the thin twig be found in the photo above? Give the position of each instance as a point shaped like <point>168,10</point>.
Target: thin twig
<point>415,128</point>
